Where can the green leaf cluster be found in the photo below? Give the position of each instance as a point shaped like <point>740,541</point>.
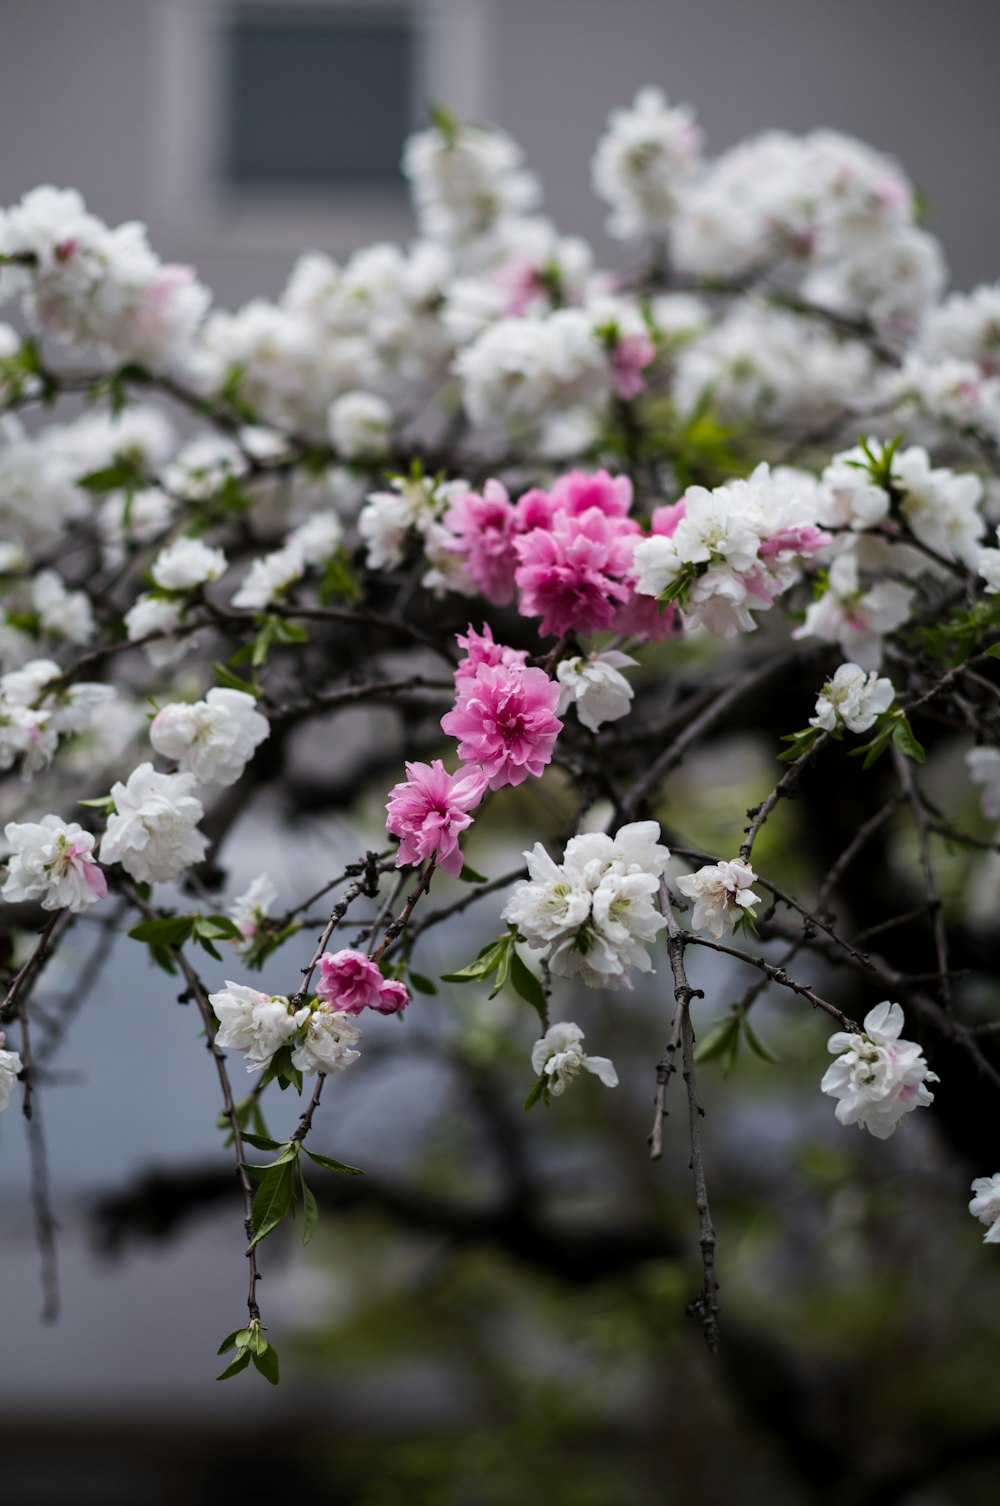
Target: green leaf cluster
<point>175,930</point>
<point>270,631</point>
<point>500,960</point>
<point>280,1185</point>
<point>724,1040</point>
<point>893,727</point>
<point>250,1344</point>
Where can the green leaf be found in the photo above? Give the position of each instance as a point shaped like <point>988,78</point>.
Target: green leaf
<point>801,742</point>
<point>331,1164</point>
<point>241,1362</point>
<point>993,652</point>
<point>259,1142</point>
<point>162,958</point>
<point>721,1042</point>
<point>469,875</point>
<point>106,803</point>
<point>111,478</point>
<point>168,932</point>
<point>526,984</point>
<point>232,681</point>
<point>229,1342</point>
<point>902,736</point>
<point>757,1046</point>
<point>540,1091</point>
<point>487,960</point>
<point>266,1361</point>
<point>310,1214</point>
<point>273,1199</point>
<point>421,984</point>
<point>289,1152</point>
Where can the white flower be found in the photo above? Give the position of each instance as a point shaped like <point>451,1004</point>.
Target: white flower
<point>326,1046</point>
<point>256,1023</point>
<point>558,1057</point>
<point>153,830</point>
<point>855,618</point>
<point>253,905</point>
<point>269,578</point>
<point>648,155</point>
<point>360,425</point>
<point>317,539</point>
<point>62,613</point>
<point>10,1066</point>
<point>985,1206</point>
<point>153,616</point>
<point>187,563</point>
<point>213,739</point>
<point>595,687</point>
<point>52,860</point>
<point>984,768</point>
<point>877,1076</point>
<point>594,913</point>
<point>852,698</point>
<point>941,507</point>
<point>722,894</point>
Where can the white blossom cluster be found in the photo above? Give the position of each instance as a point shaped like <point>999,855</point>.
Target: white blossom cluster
<point>877,1077</point>
<point>736,547</point>
<point>594,914</point>
<point>261,1024</point>
<point>98,287</point>
<point>37,708</point>
<point>648,155</point>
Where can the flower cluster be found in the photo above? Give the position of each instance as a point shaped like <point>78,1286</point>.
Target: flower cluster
<point>723,898</point>
<point>37,708</point>
<point>351,982</point>
<point>594,913</point>
<point>877,1077</point>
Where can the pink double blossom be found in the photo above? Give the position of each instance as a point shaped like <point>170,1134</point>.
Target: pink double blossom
<point>578,491</point>
<point>350,982</point>
<point>630,357</point>
<point>429,811</point>
<point>482,648</point>
<point>485,528</point>
<point>571,576</point>
<point>505,721</point>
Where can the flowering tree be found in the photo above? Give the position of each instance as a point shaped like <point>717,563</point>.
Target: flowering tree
<point>574,530</point>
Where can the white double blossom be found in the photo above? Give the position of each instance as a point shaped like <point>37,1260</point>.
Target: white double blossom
<point>721,893</point>
<point>187,563</point>
<point>594,914</point>
<point>985,1206</point>
<point>877,1077</point>
<point>648,155</point>
<point>594,687</point>
<point>327,1044</point>
<point>53,861</point>
<point>153,830</point>
<point>213,739</point>
<point>852,699</point>
<point>360,425</point>
<point>558,1057</point>
<point>253,906</point>
<point>254,1022</point>
<point>10,1066</point>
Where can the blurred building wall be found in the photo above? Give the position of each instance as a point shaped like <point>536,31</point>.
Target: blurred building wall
<point>115,97</point>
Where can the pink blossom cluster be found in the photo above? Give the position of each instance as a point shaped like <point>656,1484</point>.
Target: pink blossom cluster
<point>566,553</point>
<point>505,721</point>
<point>351,982</point>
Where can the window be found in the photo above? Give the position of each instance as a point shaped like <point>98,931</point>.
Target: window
<point>282,122</point>
<point>318,98</point>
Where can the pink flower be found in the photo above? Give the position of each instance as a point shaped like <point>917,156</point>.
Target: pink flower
<point>629,359</point>
<point>535,509</point>
<point>485,528</point>
<point>429,811</point>
<point>392,997</point>
<point>481,648</point>
<point>505,720</point>
<point>571,576</point>
<point>578,491</point>
<point>351,982</point>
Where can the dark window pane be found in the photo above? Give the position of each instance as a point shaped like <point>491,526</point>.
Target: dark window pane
<point>317,99</point>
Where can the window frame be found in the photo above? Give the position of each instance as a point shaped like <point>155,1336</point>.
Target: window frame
<point>453,49</point>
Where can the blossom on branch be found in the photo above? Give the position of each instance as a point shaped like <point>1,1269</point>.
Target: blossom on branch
<point>430,810</point>
<point>504,719</point>
<point>852,699</point>
<point>558,1058</point>
<point>52,860</point>
<point>722,895</point>
<point>152,832</point>
<point>877,1077</point>
<point>213,739</point>
<point>351,982</point>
